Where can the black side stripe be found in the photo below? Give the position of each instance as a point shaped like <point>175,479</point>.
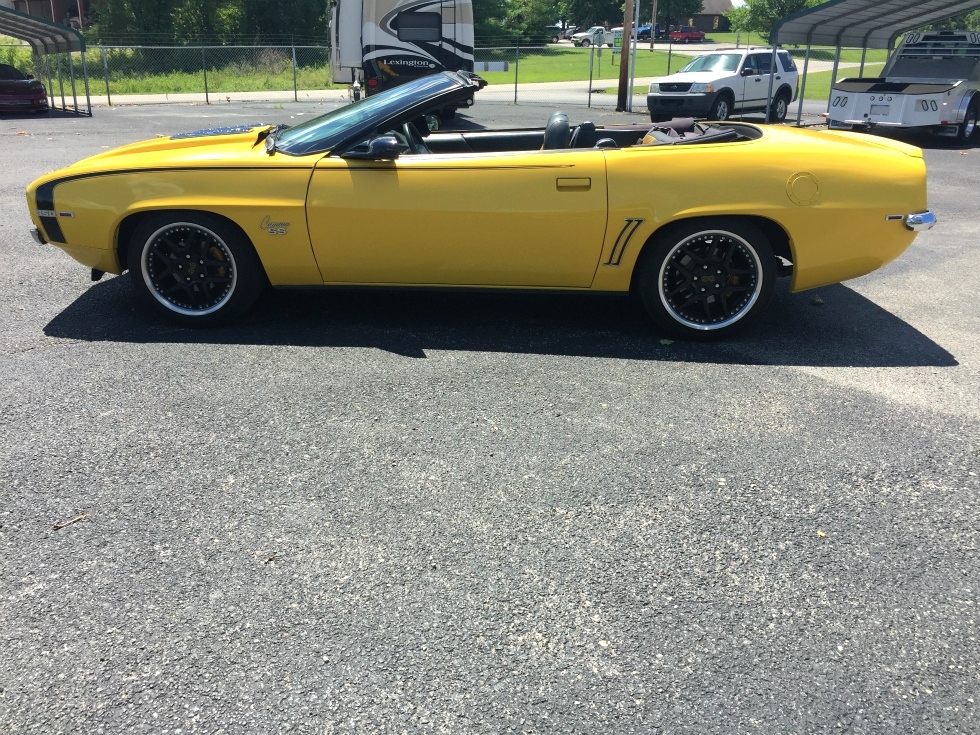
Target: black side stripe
<point>44,197</point>
<point>616,255</point>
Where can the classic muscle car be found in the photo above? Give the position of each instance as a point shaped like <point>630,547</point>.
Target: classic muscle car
<point>697,220</point>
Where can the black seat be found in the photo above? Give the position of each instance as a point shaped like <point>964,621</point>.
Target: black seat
<point>556,133</point>
<point>584,136</point>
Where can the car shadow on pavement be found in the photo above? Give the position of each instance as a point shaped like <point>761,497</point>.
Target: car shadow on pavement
<point>831,326</point>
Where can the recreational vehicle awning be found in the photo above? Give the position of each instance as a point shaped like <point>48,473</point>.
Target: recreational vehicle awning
<point>44,36</point>
<point>864,23</point>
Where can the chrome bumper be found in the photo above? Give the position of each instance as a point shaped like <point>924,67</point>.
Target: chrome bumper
<point>919,221</point>
<point>38,237</point>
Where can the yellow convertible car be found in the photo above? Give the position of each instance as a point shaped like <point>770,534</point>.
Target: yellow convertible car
<point>696,220</point>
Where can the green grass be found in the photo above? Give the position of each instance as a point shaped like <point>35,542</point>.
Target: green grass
<point>572,64</point>
<point>219,81</point>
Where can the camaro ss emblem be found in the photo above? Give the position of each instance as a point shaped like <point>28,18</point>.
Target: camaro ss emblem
<point>273,228</point>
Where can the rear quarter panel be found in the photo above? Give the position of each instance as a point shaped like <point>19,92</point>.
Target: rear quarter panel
<point>830,192</point>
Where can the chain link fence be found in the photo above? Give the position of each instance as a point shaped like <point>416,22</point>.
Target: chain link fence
<point>555,75</point>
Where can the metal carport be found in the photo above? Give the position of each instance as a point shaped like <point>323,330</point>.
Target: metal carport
<point>46,39</point>
<point>862,24</point>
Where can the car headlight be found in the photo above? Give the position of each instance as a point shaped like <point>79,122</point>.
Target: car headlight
<point>654,88</point>
<point>702,88</point>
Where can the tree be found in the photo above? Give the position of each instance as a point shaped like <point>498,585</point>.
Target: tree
<point>764,13</point>
<point>679,11</point>
<point>595,12</point>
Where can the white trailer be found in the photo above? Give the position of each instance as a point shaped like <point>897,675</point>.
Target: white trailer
<point>931,83</point>
<point>382,43</point>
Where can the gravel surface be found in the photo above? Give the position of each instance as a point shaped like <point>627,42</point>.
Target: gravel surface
<point>421,513</point>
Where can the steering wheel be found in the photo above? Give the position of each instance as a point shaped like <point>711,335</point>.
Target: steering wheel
<point>556,132</point>
<point>415,140</point>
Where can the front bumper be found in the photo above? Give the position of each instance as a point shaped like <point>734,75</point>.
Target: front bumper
<point>680,105</point>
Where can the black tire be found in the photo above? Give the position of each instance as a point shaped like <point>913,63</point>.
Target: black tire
<point>194,268</point>
<point>722,107</point>
<point>707,278</point>
<point>585,43</point>
<point>780,108</point>
<point>554,39</point>
<point>969,130</point>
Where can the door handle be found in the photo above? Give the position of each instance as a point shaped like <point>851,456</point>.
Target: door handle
<point>576,184</point>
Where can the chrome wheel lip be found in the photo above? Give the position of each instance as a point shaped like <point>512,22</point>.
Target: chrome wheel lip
<point>167,303</point>
<point>745,309</point>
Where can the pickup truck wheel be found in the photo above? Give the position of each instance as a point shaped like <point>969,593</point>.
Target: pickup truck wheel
<point>584,43</point>
<point>721,109</point>
<point>704,279</point>
<point>780,106</point>
<point>968,132</point>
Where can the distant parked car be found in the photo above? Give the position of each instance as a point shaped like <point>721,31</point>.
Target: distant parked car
<point>686,34</point>
<point>594,36</point>
<point>20,91</point>
<point>643,33</point>
<point>553,33</point>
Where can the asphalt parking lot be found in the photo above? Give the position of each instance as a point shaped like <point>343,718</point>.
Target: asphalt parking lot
<point>421,513</point>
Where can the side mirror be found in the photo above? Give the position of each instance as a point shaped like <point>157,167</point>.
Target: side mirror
<point>432,123</point>
<point>750,72</point>
<point>382,148</point>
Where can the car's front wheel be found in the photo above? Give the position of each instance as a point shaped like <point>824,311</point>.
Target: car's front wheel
<point>194,268</point>
<point>704,279</point>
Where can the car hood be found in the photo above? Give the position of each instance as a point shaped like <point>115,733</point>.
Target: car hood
<point>683,77</point>
<point>240,145</point>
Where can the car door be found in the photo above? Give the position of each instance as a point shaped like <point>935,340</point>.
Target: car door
<point>756,80</point>
<point>532,219</point>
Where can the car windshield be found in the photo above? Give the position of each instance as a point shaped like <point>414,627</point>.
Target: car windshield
<point>326,131</point>
<point>714,62</point>
<point>10,74</point>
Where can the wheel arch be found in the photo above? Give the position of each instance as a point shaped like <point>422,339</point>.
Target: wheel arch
<point>131,222</point>
<point>774,232</point>
<point>965,101</point>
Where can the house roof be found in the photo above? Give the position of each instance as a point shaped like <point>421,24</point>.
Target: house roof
<point>864,23</point>
<point>44,36</point>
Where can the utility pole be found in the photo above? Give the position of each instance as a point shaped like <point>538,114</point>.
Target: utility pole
<point>624,57</point>
<point>653,25</point>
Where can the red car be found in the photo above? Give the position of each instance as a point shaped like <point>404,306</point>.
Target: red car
<point>21,92</point>
<point>685,34</point>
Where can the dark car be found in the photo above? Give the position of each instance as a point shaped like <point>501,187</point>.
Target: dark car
<point>643,33</point>
<point>21,92</point>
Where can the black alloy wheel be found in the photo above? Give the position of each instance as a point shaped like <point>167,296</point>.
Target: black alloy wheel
<point>194,268</point>
<point>704,279</point>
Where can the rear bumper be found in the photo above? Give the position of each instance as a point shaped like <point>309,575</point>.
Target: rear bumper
<point>920,221</point>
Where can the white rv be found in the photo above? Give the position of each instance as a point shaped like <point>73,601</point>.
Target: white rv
<point>382,43</point>
<point>931,82</point>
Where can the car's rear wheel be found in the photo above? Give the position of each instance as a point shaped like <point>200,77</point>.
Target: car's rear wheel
<point>779,109</point>
<point>721,109</point>
<point>705,279</point>
<point>194,268</point>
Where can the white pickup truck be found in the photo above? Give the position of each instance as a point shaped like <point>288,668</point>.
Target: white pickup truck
<point>931,83</point>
